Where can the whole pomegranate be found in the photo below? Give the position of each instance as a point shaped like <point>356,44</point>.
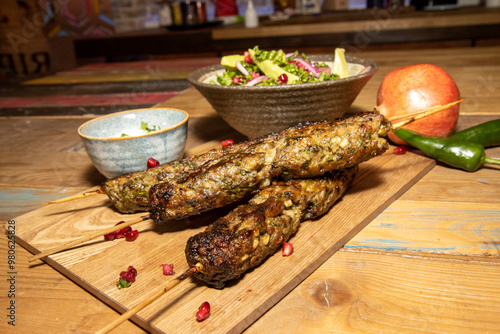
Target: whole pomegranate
<point>412,88</point>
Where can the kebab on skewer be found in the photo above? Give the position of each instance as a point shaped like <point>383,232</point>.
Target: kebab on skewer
<point>251,232</point>
<point>130,192</point>
<point>306,150</point>
<point>247,235</point>
<point>302,151</point>
<point>299,152</point>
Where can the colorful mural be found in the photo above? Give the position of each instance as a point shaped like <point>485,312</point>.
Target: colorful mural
<point>77,17</point>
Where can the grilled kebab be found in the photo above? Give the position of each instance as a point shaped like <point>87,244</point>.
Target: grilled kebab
<point>130,192</point>
<point>303,151</point>
<point>247,235</point>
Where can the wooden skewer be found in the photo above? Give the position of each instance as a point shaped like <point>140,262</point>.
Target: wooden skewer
<point>414,116</point>
<point>77,196</point>
<point>421,114</point>
<point>125,316</point>
<point>86,238</point>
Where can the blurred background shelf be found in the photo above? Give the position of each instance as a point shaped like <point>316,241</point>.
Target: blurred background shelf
<point>364,29</point>
<point>36,42</point>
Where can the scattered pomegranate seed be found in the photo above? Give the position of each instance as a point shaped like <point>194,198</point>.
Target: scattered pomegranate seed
<point>299,64</point>
<point>287,249</point>
<point>132,235</point>
<point>130,277</point>
<point>227,142</point>
<point>126,278</point>
<point>248,58</point>
<point>121,233</point>
<point>132,270</point>
<point>168,269</point>
<point>110,236</point>
<point>283,78</point>
<point>203,311</point>
<point>125,232</point>
<point>152,163</point>
<point>254,75</point>
<point>400,150</point>
<point>237,80</point>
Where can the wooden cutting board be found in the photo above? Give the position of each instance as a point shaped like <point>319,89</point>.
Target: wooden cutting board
<point>97,264</point>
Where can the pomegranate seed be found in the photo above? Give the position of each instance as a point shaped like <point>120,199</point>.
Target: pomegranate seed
<point>283,78</point>
<point>203,312</point>
<point>237,80</point>
<point>248,58</point>
<point>227,142</point>
<point>400,150</point>
<point>132,270</point>
<point>129,277</point>
<point>254,75</point>
<point>110,236</point>
<point>287,249</point>
<point>132,235</point>
<point>168,269</point>
<point>121,233</point>
<point>152,163</point>
<point>298,64</point>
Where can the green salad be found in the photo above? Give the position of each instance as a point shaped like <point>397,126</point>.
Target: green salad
<point>265,68</point>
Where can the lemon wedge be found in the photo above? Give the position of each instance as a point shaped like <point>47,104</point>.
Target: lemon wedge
<point>340,64</point>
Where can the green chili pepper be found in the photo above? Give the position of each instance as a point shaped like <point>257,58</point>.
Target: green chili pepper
<point>459,154</point>
<point>486,134</point>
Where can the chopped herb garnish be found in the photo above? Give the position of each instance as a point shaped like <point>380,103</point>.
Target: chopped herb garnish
<point>145,127</point>
<point>122,283</point>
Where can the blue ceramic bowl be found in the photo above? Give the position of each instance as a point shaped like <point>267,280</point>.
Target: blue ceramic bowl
<point>117,144</point>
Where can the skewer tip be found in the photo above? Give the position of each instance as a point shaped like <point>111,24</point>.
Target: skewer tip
<point>77,196</point>
<point>87,238</point>
<point>127,315</point>
<point>421,114</point>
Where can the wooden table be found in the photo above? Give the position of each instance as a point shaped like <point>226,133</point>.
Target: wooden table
<point>428,263</point>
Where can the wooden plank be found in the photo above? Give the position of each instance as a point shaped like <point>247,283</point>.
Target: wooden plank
<point>379,293</point>
<point>111,77</point>
<point>17,201</point>
<point>481,186</point>
<point>41,296</point>
<point>198,105</point>
<point>95,265</point>
<point>449,211</point>
<point>59,159</point>
<point>434,227</point>
<point>145,72</point>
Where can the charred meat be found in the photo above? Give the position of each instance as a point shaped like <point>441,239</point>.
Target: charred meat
<point>300,152</point>
<point>130,192</point>
<point>251,232</point>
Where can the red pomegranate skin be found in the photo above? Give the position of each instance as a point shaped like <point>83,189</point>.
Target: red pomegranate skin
<point>412,88</point>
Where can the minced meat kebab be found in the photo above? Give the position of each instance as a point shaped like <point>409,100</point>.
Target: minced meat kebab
<point>246,236</point>
<point>237,170</point>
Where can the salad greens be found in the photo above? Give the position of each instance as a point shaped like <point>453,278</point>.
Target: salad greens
<point>275,67</point>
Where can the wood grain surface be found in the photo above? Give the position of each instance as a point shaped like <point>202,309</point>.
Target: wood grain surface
<point>428,263</point>
<point>381,292</point>
<point>96,265</point>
